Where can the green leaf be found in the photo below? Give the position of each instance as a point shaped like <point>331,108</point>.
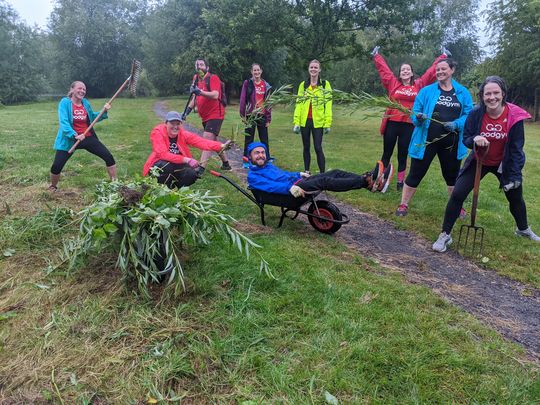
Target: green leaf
<point>99,234</point>
<point>110,228</point>
<point>8,315</point>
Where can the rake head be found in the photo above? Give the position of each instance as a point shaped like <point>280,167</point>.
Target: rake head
<point>134,76</point>
<point>471,241</point>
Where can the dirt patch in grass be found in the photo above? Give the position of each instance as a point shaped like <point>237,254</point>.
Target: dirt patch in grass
<point>509,307</point>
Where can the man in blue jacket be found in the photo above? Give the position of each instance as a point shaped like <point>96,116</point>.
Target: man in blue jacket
<point>264,176</point>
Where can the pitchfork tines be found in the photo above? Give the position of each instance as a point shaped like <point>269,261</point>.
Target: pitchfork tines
<point>471,237</point>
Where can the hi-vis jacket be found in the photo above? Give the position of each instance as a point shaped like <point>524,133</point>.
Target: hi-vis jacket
<point>321,104</point>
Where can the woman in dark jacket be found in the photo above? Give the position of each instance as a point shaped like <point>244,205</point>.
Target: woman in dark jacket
<point>252,97</point>
<point>497,125</point>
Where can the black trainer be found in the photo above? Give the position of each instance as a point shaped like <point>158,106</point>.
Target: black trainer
<point>226,166</point>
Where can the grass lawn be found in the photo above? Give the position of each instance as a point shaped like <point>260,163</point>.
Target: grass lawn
<point>332,325</point>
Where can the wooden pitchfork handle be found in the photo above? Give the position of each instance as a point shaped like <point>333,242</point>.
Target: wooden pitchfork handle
<point>122,87</point>
<point>477,175</point>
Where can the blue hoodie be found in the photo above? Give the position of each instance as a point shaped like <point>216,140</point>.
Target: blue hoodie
<point>269,178</point>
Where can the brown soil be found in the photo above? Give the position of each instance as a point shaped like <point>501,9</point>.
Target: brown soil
<point>509,307</point>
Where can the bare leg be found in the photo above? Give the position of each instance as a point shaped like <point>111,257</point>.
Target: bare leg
<point>55,178</point>
<point>206,154</point>
<point>112,172</point>
<point>407,194</point>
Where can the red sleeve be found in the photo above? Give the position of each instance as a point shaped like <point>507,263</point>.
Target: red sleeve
<point>160,147</point>
<point>388,79</point>
<point>429,75</point>
<point>201,143</point>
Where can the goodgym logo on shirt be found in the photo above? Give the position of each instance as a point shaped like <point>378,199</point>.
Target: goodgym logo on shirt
<point>79,114</point>
<point>494,131</point>
<point>447,101</point>
<point>407,92</point>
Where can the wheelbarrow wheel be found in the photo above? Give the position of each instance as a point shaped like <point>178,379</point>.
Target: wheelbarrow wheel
<point>326,210</point>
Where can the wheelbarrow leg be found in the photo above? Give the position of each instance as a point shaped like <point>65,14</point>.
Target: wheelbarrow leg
<point>261,208</point>
<point>283,214</point>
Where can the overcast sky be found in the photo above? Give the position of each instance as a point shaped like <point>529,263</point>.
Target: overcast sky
<point>37,12</point>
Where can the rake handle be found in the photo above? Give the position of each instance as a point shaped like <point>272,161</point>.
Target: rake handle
<point>122,87</point>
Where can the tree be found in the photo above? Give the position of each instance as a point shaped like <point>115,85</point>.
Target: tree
<point>515,28</point>
<point>20,59</point>
<point>95,41</point>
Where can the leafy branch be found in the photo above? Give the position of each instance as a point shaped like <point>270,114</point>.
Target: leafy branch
<point>148,225</point>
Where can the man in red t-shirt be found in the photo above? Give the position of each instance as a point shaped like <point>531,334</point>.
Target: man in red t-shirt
<point>209,107</point>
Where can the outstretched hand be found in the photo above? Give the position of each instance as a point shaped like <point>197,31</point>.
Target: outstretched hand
<point>445,51</point>
<point>226,146</point>
<point>375,51</point>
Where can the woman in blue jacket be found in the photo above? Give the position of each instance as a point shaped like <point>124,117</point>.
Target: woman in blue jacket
<point>448,103</point>
<point>75,115</point>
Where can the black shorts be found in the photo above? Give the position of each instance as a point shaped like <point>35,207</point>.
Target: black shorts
<point>212,126</point>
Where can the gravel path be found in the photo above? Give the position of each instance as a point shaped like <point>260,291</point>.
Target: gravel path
<point>509,307</point>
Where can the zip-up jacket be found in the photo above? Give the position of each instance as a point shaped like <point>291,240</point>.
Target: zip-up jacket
<point>513,156</point>
<point>65,137</point>
<point>321,104</point>
<point>161,142</point>
<point>425,103</point>
<point>270,178</point>
<point>399,92</point>
<point>247,105</point>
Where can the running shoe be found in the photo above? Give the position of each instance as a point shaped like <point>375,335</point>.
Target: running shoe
<point>402,210</point>
<point>442,242</point>
<point>199,171</point>
<point>386,178</point>
<point>374,176</point>
<point>245,165</point>
<point>528,233</point>
<point>226,166</point>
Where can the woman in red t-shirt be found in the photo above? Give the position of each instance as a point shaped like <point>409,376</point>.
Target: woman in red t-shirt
<point>254,92</point>
<point>496,124</point>
<point>396,127</point>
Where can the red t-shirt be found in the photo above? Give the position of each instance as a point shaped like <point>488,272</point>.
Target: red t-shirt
<point>80,118</point>
<point>259,93</point>
<point>496,132</point>
<point>208,108</point>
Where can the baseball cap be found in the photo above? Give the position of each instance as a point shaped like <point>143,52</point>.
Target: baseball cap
<point>173,116</point>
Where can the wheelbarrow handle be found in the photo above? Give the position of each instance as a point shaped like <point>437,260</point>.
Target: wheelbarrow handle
<point>220,175</point>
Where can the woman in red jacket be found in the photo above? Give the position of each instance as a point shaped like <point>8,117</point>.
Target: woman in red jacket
<point>396,127</point>
<point>171,154</point>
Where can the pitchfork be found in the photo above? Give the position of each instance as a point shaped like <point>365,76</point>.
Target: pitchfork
<point>131,82</point>
<point>472,236</point>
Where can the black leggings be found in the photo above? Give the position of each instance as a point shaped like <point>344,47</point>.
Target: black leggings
<point>334,180</point>
<point>317,144</point>
<point>446,150</point>
<point>262,129</point>
<point>175,174</point>
<point>92,144</point>
<point>400,133</point>
<point>464,185</point>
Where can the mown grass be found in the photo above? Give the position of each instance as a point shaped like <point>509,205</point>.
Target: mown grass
<point>333,322</point>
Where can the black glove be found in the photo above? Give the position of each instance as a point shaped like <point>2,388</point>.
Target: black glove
<point>195,90</point>
<point>421,117</point>
<point>186,113</point>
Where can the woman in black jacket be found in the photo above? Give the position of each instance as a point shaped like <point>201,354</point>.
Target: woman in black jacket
<point>497,125</point>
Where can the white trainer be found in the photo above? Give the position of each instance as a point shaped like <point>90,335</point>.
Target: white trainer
<point>528,233</point>
<point>442,242</point>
